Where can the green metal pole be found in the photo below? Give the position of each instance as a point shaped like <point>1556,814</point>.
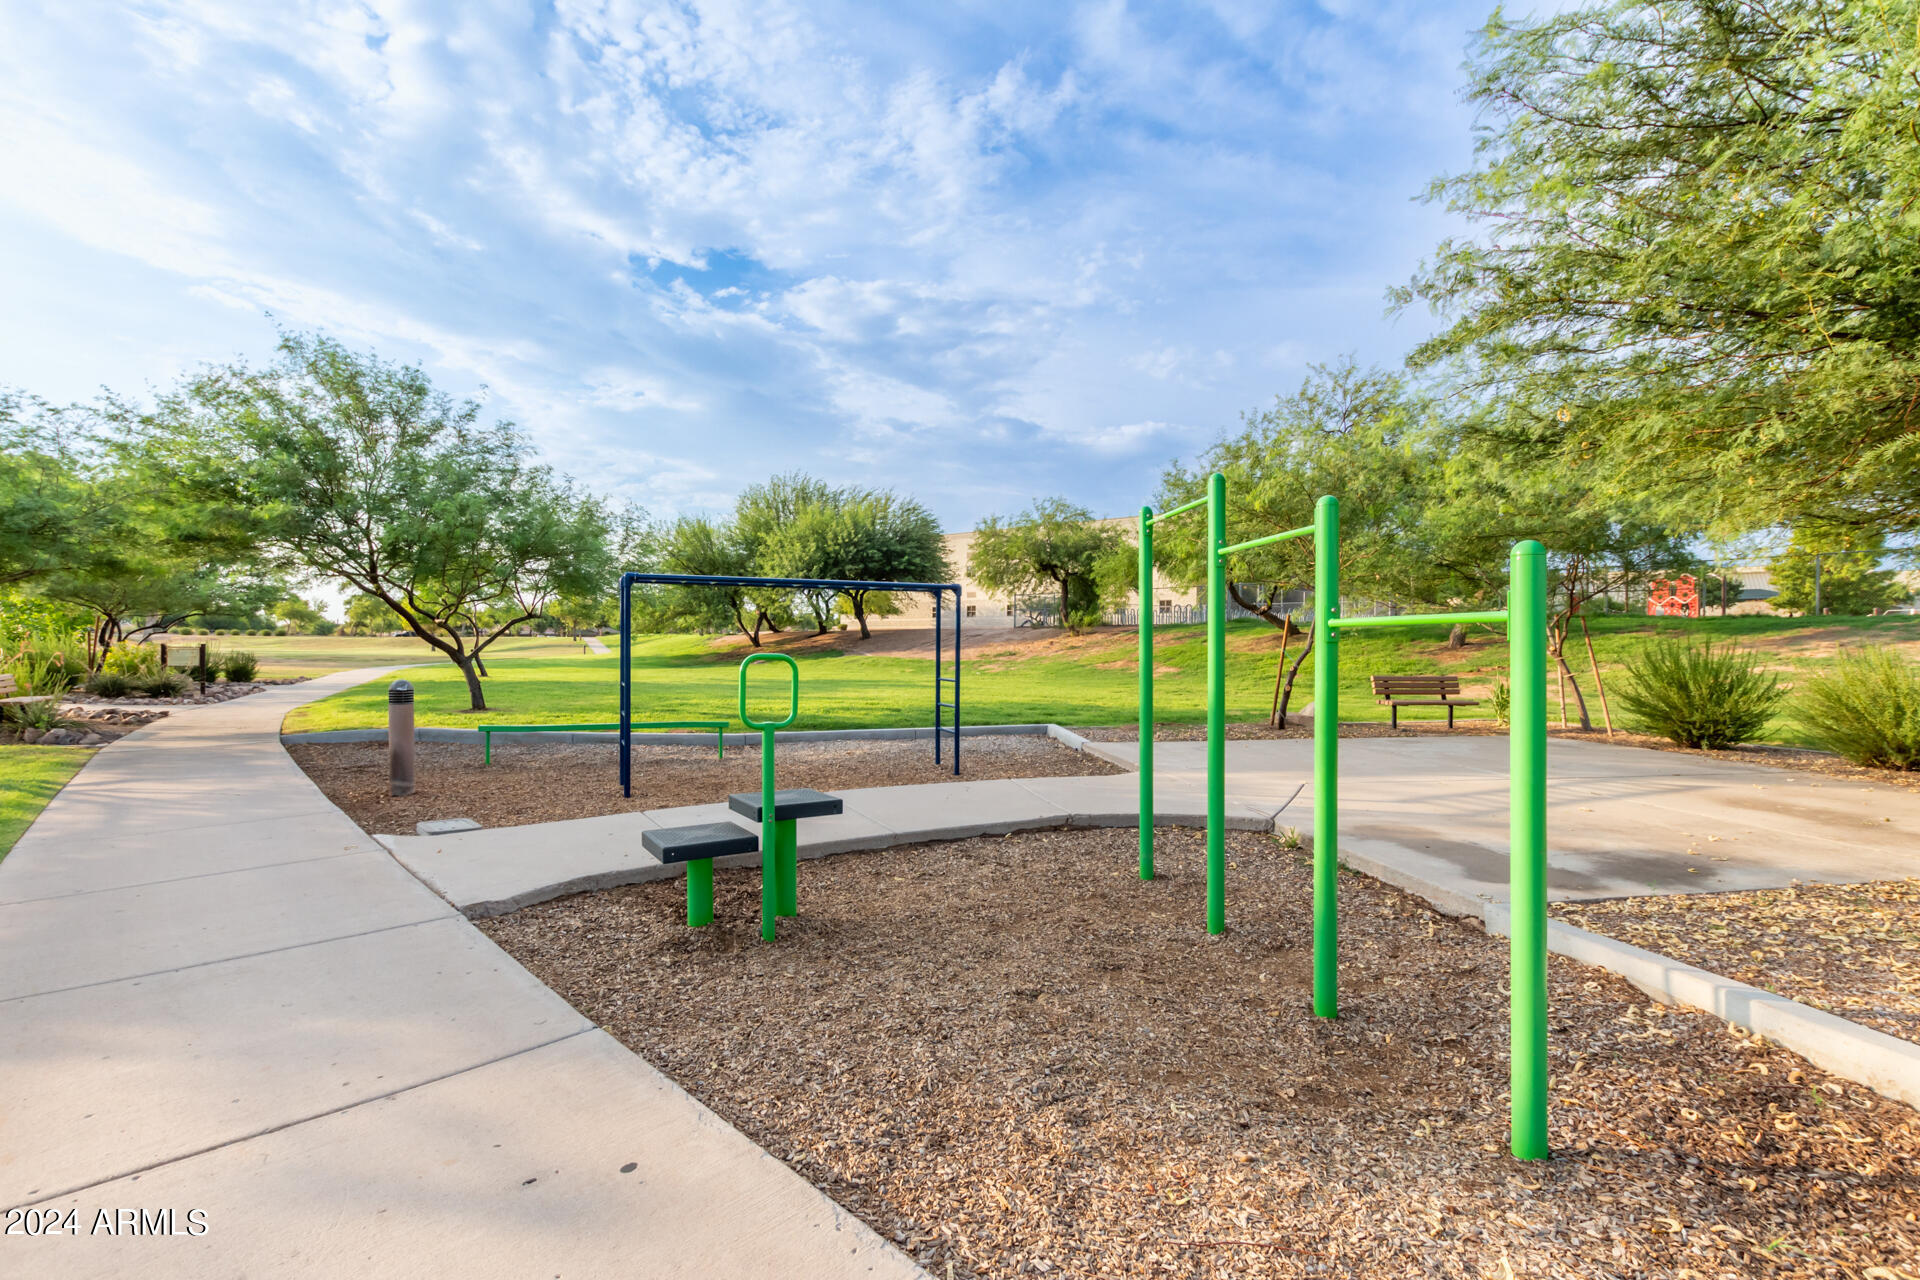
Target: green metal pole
<point>1527,768</point>
<point>699,892</point>
<point>1146,693</point>
<point>1326,758</point>
<point>1216,704</point>
<point>788,840</point>
<point>769,841</point>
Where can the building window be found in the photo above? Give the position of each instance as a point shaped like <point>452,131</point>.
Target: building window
<point>969,611</point>
<point>1165,605</point>
<point>1009,611</point>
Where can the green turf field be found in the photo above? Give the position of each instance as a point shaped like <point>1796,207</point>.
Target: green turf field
<point>317,655</point>
<point>29,777</point>
<point>685,677</point>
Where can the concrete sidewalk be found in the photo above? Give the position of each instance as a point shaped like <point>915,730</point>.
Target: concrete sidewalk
<point>1621,821</point>
<point>216,994</point>
<point>501,869</point>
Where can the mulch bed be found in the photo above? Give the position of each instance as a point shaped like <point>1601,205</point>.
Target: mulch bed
<point>546,782</point>
<point>1851,949</point>
<point>1013,1058</point>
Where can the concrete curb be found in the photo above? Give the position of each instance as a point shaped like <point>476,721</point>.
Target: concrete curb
<point>745,736</point>
<point>1886,1064</point>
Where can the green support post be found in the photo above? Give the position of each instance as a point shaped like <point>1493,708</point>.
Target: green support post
<point>773,870</point>
<point>699,892</point>
<point>1527,885</point>
<point>1216,704</point>
<point>1326,758</point>
<point>770,873</point>
<point>1146,693</point>
<point>787,844</point>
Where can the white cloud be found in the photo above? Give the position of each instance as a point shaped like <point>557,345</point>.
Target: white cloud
<point>1007,247</point>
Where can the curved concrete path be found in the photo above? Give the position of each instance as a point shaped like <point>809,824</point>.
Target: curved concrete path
<point>218,997</point>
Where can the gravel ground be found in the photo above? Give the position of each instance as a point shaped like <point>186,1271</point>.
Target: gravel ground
<point>1851,949</point>
<point>1013,1058</point>
<point>545,782</point>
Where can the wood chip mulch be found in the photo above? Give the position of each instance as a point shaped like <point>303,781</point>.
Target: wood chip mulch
<point>1851,949</point>
<point>548,782</point>
<point>1013,1058</point>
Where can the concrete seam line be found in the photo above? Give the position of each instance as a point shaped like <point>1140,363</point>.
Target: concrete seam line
<point>203,875</point>
<point>290,1124</point>
<point>248,955</point>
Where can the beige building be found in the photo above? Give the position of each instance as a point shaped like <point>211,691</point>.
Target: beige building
<point>982,608</point>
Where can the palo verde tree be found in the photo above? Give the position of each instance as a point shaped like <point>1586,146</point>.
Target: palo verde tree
<point>1851,579</point>
<point>1356,433</point>
<point>349,467</point>
<point>1700,272</point>
<point>1053,546</point>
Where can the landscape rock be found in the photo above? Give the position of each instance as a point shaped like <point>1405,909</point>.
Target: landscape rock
<point>32,735</point>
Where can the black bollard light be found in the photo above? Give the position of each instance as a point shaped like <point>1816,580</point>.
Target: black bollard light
<point>400,737</point>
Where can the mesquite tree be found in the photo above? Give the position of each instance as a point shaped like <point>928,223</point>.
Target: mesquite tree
<point>348,467</point>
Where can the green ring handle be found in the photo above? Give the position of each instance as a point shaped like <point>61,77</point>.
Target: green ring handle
<point>793,673</point>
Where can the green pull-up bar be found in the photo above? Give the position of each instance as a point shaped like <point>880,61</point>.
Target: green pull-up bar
<point>1526,619</point>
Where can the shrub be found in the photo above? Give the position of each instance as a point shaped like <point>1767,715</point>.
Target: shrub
<point>132,659</point>
<point>240,666</point>
<point>1700,695</point>
<point>110,684</point>
<point>1503,704</point>
<point>165,684</point>
<point>1867,708</point>
<point>46,662</point>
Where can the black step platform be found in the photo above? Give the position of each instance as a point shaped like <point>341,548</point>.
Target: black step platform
<point>702,840</point>
<point>799,802</point>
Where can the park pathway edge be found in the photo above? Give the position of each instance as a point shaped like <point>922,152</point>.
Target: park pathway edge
<point>228,1011</point>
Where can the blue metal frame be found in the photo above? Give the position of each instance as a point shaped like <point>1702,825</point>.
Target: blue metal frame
<point>937,590</point>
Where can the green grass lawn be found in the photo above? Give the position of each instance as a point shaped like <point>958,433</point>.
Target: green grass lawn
<point>317,655</point>
<point>684,677</point>
<point>29,777</point>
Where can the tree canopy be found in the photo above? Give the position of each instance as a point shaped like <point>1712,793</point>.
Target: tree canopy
<point>1851,579</point>
<point>1053,546</point>
<point>349,467</point>
<point>1700,270</point>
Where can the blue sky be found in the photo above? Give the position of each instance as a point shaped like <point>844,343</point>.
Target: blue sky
<point>977,252</point>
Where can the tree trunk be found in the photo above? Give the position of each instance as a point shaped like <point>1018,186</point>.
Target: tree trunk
<point>1064,593</point>
<point>476,696</point>
<point>1568,678</point>
<point>1457,638</point>
<point>1286,694</point>
<point>1599,684</point>
<point>859,602</point>
<point>1279,668</point>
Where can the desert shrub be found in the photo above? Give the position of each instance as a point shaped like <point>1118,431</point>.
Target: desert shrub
<point>38,715</point>
<point>132,659</point>
<point>111,684</point>
<point>1700,695</point>
<point>46,662</point>
<point>165,684</point>
<point>1503,704</point>
<point>240,666</point>
<point>1867,708</point>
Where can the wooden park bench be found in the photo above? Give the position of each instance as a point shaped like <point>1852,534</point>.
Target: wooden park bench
<point>1420,691</point>
<point>10,695</point>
